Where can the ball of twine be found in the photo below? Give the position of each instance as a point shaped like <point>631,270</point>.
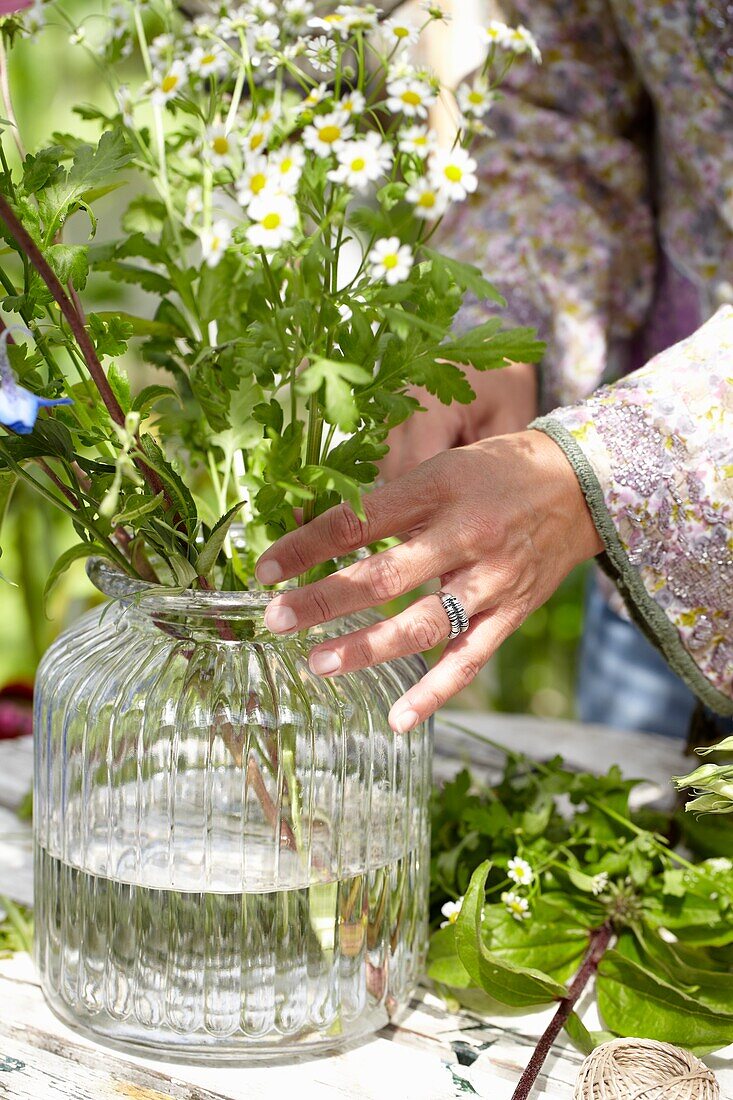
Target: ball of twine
<point>642,1069</point>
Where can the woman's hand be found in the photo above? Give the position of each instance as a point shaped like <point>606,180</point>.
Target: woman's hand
<point>500,522</point>
<point>506,401</point>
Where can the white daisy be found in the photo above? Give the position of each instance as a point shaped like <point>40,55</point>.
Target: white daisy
<point>400,33</point>
<point>208,61</point>
<point>327,132</point>
<point>194,204</point>
<point>214,242</point>
<point>235,21</point>
<point>495,34</point>
<point>454,172</point>
<point>336,23</point>
<point>418,140</point>
<point>475,99</point>
<point>518,907</point>
<point>435,11</point>
<point>78,36</point>
<point>519,871</point>
<point>353,103</point>
<point>410,95</point>
<point>254,180</point>
<point>520,40</point>
<point>118,21</point>
<point>362,161</point>
<point>263,10</point>
<point>126,104</point>
<point>34,18</point>
<point>451,911</point>
<point>315,96</point>
<point>220,146</point>
<point>255,139</point>
<point>600,882</point>
<point>322,53</point>
<point>167,83</point>
<point>428,200</point>
<point>297,13</point>
<point>160,48</point>
<point>390,260</point>
<point>287,167</point>
<point>262,39</point>
<point>274,218</point>
<point>363,17</point>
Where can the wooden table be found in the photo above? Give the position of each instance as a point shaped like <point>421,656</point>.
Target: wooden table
<point>429,1054</point>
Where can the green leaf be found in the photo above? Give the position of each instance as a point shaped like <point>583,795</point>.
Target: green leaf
<point>120,385</point>
<point>70,263</point>
<point>62,563</point>
<point>148,396</point>
<point>506,981</point>
<point>466,276</point>
<point>177,490</point>
<point>337,378</point>
<point>326,480</point>
<point>135,275</point>
<point>549,941</point>
<point>443,962</point>
<point>110,334</point>
<point>444,380</point>
<point>211,549</point>
<point>586,1041</point>
<point>635,1002</point>
<point>136,506</point>
<point>92,165</point>
<point>689,969</point>
<point>41,168</point>
<point>139,326</point>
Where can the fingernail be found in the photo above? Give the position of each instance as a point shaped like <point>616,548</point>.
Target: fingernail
<point>280,619</point>
<point>405,720</point>
<point>324,662</point>
<point>268,572</point>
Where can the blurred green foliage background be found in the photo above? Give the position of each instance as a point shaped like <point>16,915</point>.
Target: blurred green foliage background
<point>532,673</point>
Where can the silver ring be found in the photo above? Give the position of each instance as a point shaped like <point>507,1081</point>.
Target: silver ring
<point>456,612</point>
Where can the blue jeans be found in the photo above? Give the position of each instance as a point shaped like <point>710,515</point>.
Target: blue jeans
<point>623,681</point>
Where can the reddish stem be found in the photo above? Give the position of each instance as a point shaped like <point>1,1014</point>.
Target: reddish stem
<point>599,942</point>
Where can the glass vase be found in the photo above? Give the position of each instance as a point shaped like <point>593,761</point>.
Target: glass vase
<point>231,854</point>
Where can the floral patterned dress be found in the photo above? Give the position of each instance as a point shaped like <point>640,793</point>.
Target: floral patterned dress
<point>608,224</point>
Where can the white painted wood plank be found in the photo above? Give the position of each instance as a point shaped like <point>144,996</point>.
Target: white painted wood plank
<point>16,771</point>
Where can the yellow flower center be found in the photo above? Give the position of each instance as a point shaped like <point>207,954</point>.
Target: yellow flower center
<point>358,164</point>
<point>453,173</point>
<point>286,165</point>
<point>454,916</point>
<point>390,261</point>
<point>220,145</point>
<point>412,99</point>
<point>401,32</point>
<point>476,97</point>
<point>256,140</point>
<point>215,245</point>
<point>169,82</point>
<point>208,59</point>
<point>257,183</point>
<point>271,221</point>
<point>329,134</point>
<point>427,199</point>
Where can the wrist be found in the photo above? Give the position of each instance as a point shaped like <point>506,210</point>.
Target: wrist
<point>566,498</point>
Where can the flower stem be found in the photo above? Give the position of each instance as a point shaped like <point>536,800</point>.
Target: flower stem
<point>599,943</point>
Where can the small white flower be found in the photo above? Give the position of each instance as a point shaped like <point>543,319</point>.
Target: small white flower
<point>327,132</point>
<point>263,10</point>
<point>719,865</point>
<point>126,104</point>
<point>454,172</point>
<point>475,99</point>
<point>519,871</point>
<point>520,40</point>
<point>400,32</point>
<point>254,180</point>
<point>297,13</point>
<point>262,39</point>
<point>411,96</point>
<point>353,103</point>
<point>390,260</point>
<point>418,140</point>
<point>214,242</point>
<point>274,218</point>
<point>362,161</point>
<point>334,24</point>
<point>315,96</point>
<point>160,48</point>
<point>256,138</point>
<point>428,200</point>
<point>118,21</point>
<point>435,11</point>
<point>600,882</point>
<point>287,167</point>
<point>451,911</point>
<point>34,18</point>
<point>363,17</point>
<point>78,36</point>
<point>517,906</point>
<point>208,61</point>
<point>235,21</point>
<point>167,83</point>
<point>220,146</point>
<point>495,34</point>
<point>194,204</point>
<point>322,53</point>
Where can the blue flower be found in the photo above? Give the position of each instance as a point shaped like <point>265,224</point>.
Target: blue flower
<point>18,406</point>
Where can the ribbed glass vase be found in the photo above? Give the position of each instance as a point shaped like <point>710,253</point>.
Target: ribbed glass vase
<point>231,853</point>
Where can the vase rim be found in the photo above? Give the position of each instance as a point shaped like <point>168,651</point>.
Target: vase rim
<point>159,598</point>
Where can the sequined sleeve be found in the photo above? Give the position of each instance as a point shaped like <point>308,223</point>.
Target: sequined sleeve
<point>654,454</point>
<point>561,221</point>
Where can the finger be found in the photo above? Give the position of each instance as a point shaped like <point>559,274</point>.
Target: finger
<point>368,583</point>
<point>395,507</point>
<point>421,627</point>
<point>458,667</point>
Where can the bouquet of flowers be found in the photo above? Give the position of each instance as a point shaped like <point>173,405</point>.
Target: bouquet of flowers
<point>285,187</point>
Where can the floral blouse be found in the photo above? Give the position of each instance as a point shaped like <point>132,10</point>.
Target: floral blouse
<point>616,253</point>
